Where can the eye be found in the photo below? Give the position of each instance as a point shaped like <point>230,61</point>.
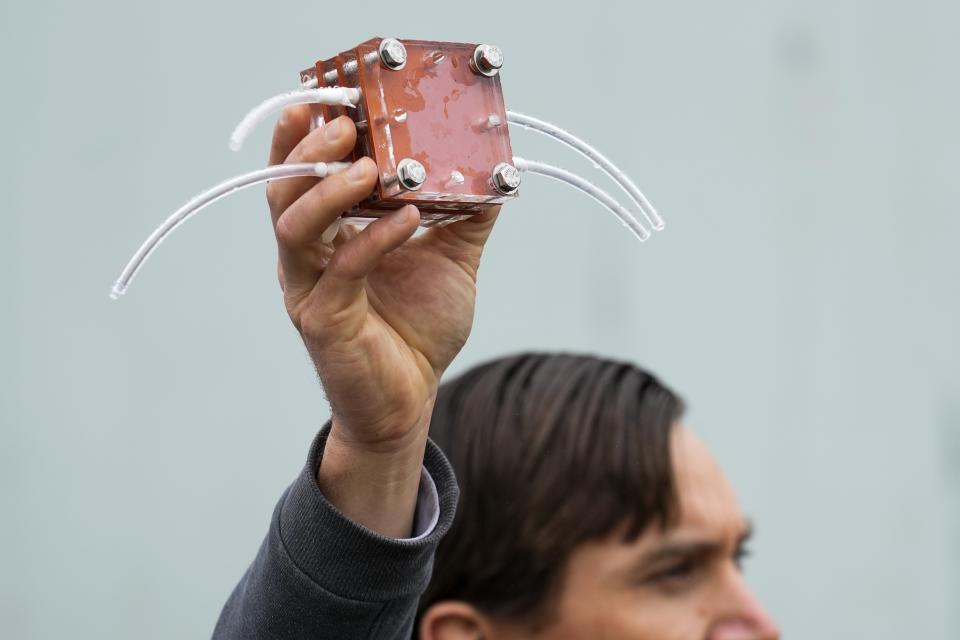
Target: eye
<point>675,575</point>
<point>677,570</point>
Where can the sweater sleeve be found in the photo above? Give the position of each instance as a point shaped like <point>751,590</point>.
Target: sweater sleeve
<point>320,575</point>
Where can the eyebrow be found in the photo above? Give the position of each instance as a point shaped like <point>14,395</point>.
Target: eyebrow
<point>688,549</point>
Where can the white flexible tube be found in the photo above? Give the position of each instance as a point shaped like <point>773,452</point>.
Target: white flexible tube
<point>208,197</point>
<point>584,185</point>
<point>601,161</point>
<point>343,96</point>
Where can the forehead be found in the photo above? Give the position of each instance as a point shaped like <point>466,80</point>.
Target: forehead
<point>709,514</point>
<point>708,503</point>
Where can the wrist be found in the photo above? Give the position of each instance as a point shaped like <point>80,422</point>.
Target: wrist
<point>389,432</point>
<point>375,484</point>
<point>381,464</point>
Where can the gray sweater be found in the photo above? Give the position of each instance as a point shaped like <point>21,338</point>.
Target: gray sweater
<point>319,575</point>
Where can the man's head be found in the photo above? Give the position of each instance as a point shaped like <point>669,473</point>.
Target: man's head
<point>586,511</point>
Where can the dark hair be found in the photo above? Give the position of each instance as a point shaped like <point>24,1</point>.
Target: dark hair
<point>550,451</point>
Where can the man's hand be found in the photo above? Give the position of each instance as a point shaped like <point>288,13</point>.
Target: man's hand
<point>382,316</point>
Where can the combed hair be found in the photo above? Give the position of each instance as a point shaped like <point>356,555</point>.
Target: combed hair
<point>550,451</point>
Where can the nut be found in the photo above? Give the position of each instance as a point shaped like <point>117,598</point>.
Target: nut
<point>487,59</point>
<point>506,178</point>
<point>411,174</point>
<point>393,54</point>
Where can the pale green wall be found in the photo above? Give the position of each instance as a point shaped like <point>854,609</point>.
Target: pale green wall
<point>803,299</point>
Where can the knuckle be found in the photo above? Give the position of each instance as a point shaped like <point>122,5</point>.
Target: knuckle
<point>291,119</point>
<point>272,193</point>
<point>286,232</point>
<point>284,121</point>
<point>338,263</point>
<point>322,327</point>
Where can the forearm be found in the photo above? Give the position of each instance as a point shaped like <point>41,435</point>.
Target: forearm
<point>375,487</point>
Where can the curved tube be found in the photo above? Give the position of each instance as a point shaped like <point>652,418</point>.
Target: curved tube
<point>343,96</point>
<point>601,161</point>
<point>584,185</point>
<point>208,197</point>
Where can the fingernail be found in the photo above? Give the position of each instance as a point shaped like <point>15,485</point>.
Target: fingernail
<point>357,171</point>
<point>332,131</point>
<point>402,215</point>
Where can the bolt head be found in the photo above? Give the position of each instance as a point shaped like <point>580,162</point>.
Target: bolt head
<point>393,54</point>
<point>506,178</point>
<point>488,59</point>
<point>411,173</point>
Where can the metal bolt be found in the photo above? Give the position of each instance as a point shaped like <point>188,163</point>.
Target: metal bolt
<point>393,54</point>
<point>506,178</point>
<point>487,59</point>
<point>411,174</point>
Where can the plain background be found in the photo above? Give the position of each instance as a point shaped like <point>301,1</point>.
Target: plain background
<point>803,297</point>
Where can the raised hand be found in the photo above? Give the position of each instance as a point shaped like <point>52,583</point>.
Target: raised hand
<point>382,315</point>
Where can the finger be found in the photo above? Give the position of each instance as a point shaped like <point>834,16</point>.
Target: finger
<point>343,279</point>
<point>348,231</point>
<point>465,239</point>
<point>293,125</point>
<point>306,220</point>
<point>331,142</point>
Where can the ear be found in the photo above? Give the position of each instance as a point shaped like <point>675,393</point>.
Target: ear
<point>454,620</point>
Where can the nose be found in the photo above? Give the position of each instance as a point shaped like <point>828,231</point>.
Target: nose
<point>740,615</point>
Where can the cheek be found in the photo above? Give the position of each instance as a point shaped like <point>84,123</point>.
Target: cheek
<point>636,615</point>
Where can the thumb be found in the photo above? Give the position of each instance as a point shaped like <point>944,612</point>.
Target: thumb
<point>466,238</point>
<point>343,278</point>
